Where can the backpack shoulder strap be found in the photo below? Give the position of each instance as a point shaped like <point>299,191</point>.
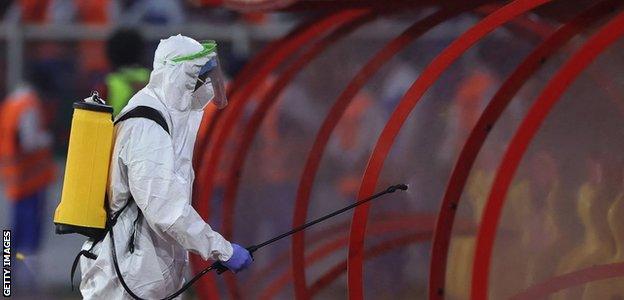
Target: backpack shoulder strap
<point>147,113</point>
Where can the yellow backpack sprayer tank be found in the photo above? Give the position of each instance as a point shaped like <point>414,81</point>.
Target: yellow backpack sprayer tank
<point>82,209</point>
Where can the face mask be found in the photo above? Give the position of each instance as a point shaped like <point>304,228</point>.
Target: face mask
<point>202,96</point>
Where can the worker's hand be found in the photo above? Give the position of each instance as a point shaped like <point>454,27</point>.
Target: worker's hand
<point>241,259</point>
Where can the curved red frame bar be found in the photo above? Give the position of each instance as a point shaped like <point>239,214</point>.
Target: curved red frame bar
<point>572,279</point>
<point>470,150</point>
<point>298,38</point>
<point>386,140</point>
<point>267,101</point>
<point>605,37</point>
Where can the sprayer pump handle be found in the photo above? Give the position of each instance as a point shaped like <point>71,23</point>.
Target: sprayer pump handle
<point>393,188</point>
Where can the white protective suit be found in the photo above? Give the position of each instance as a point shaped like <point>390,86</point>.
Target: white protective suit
<point>156,169</point>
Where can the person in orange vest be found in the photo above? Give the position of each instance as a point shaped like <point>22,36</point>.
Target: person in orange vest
<point>26,168</point>
<point>26,164</point>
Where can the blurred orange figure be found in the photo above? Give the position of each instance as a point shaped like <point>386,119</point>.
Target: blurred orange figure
<point>26,165</point>
<point>469,101</point>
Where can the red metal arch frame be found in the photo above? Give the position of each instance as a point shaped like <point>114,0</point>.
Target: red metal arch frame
<point>331,120</point>
<point>235,170</point>
<point>495,107</point>
<point>599,42</point>
<point>267,101</point>
<point>572,279</point>
<point>390,131</point>
<point>254,64</point>
<point>299,37</point>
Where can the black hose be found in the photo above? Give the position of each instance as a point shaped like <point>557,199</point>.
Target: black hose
<point>132,294</point>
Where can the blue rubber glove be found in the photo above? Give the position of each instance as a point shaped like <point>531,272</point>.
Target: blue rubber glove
<point>241,259</point>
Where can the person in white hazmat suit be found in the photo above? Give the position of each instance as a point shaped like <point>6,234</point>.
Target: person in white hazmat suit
<point>155,169</point>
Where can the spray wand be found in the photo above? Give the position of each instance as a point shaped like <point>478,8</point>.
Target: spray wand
<point>220,268</point>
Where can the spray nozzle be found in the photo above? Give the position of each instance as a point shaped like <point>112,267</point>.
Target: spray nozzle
<point>395,187</point>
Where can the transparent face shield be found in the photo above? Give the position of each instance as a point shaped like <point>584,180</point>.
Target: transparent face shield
<point>210,85</point>
<point>211,75</point>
